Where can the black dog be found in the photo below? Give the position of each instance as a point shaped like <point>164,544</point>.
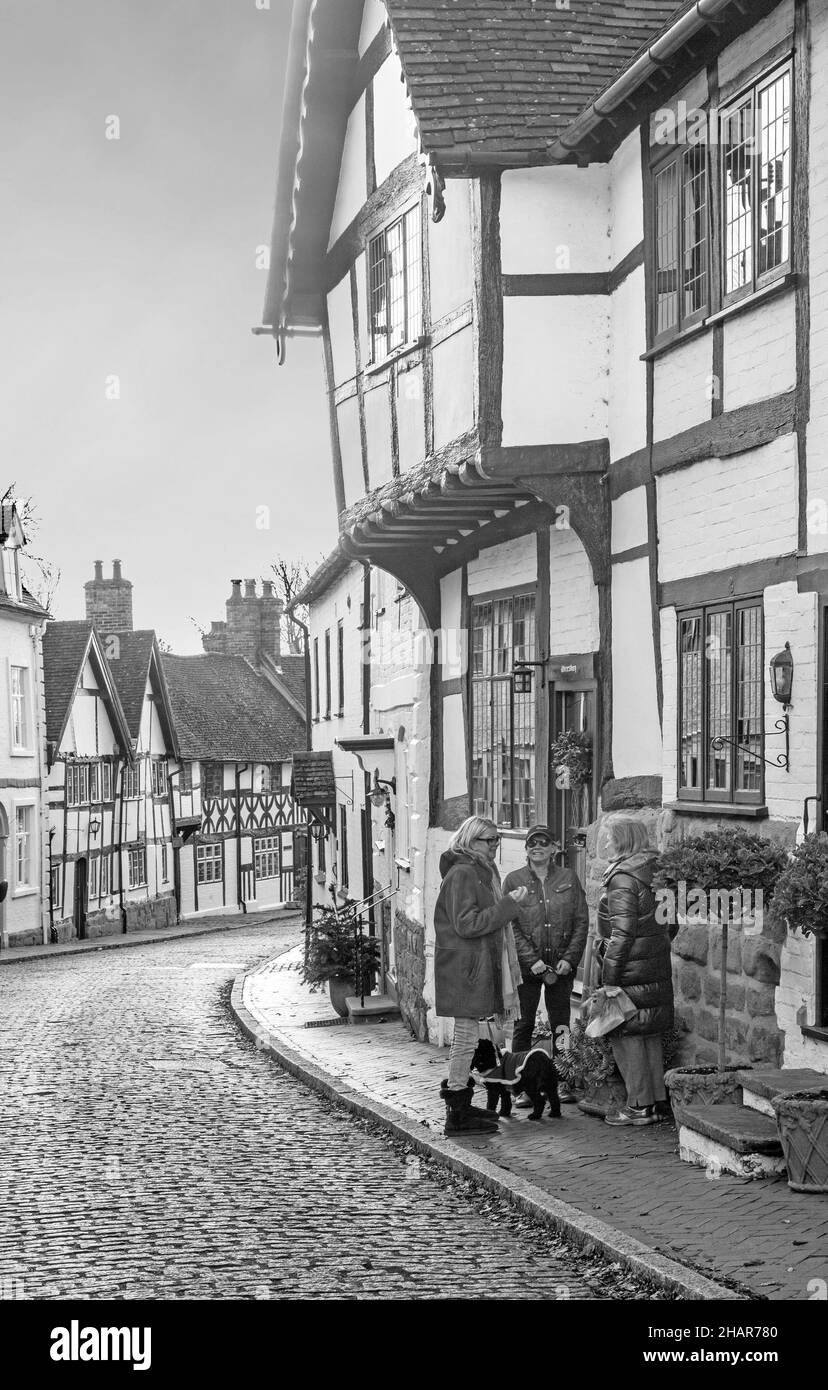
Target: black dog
<point>505,1074</point>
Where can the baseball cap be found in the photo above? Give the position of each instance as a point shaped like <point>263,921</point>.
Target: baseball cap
<point>540,834</point>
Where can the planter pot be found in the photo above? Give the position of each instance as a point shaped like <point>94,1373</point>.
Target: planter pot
<point>339,989</point>
<point>802,1121</point>
<point>603,1096</point>
<point>704,1086</point>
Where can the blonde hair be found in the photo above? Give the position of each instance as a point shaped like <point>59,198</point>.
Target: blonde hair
<point>462,841</point>
<point>629,836</point>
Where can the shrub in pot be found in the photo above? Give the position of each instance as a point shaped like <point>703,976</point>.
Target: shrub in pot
<point>588,1065</point>
<point>800,904</point>
<point>727,868</point>
<point>338,955</point>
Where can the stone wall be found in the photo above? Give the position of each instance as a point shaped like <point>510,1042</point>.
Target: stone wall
<point>150,913</point>
<point>409,958</point>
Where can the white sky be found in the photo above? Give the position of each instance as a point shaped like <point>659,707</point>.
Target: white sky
<point>136,257</point>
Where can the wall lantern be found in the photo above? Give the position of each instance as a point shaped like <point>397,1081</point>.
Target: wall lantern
<point>94,827</point>
<point>318,830</point>
<point>781,674</point>
<point>381,791</point>
<point>523,674</point>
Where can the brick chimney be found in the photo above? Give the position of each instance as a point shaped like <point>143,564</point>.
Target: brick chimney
<point>109,601</point>
<point>252,626</point>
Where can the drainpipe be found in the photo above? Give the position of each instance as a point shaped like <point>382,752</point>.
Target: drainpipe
<point>309,745</point>
<point>239,771</point>
<point>52,938</point>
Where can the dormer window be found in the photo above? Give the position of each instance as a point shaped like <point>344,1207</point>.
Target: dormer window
<point>395,285</point>
<point>11,576</point>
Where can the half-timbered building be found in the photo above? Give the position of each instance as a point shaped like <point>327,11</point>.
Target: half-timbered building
<point>560,261</point>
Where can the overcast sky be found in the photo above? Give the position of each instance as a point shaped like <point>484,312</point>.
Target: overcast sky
<point>136,258</point>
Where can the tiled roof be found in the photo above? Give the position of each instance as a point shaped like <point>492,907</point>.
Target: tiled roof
<point>224,711</point>
<point>313,782</point>
<point>506,77</point>
<point>26,604</point>
<point>292,669</point>
<point>64,645</point>
<point>129,662</point>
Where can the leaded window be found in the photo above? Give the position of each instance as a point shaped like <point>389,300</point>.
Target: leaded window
<point>502,720</point>
<point>757,140</point>
<point>209,863</point>
<point>138,866</point>
<point>266,856</point>
<point>681,241</point>
<point>396,284</point>
<point>720,703</point>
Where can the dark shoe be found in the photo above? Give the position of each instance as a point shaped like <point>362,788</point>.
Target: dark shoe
<point>565,1096</point>
<point>477,1110</point>
<point>462,1117</point>
<point>632,1115</point>
<point>663,1110</point>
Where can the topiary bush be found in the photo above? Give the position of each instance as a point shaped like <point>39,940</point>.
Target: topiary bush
<point>800,898</point>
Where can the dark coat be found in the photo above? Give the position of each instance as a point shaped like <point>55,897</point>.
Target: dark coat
<point>637,955</point>
<point>552,931</point>
<point>468,927</point>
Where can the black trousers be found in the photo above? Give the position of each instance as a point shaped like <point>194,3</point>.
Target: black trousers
<point>556,997</point>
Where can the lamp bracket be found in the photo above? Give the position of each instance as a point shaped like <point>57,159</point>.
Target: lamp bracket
<point>782,726</point>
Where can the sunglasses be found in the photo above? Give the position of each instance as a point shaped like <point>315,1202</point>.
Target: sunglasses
<point>488,839</point>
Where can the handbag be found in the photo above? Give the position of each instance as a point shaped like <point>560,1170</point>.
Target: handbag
<point>606,1010</point>
<point>488,1028</point>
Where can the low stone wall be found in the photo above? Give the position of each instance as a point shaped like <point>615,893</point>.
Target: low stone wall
<point>409,958</point>
<point>148,914</point>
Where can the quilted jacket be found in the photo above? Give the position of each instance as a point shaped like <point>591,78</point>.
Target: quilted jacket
<point>637,955</point>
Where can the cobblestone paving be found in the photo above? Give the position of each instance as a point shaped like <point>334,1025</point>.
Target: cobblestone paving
<point>758,1235</point>
<point>147,1150</point>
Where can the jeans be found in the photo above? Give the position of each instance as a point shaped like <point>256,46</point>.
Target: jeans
<point>640,1061</point>
<point>556,997</point>
<point>463,1045</point>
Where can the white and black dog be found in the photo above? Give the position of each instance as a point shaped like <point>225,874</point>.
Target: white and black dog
<point>506,1074</point>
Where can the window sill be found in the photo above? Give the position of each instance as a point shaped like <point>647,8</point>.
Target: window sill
<point>23,753</point>
<point>721,808</point>
<point>374,368</point>
<point>809,1030</point>
<point>25,891</point>
<point>740,306</point>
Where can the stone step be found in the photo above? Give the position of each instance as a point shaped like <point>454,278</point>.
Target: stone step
<point>731,1139</point>
<point>378,1008</point>
<point>760,1084</point>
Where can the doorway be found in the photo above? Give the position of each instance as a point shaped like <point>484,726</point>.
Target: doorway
<point>79,906</point>
<point>573,709</point>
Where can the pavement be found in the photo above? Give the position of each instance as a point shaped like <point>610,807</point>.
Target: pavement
<point>623,1192</point>
<point>151,1151</point>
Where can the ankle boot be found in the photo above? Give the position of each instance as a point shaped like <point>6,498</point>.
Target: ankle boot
<point>475,1110</point>
<point>461,1118</point>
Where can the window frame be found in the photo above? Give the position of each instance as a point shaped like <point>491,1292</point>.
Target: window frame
<point>413,319</point>
<point>684,322</point>
<point>158,774</point>
<point>28,884</point>
<point>342,848</point>
<point>141,852</point>
<point>327,673</point>
<point>165,862</point>
<point>131,780</point>
<point>10,571</point>
<point>316,676</point>
<point>522,591</point>
<point>21,699</point>
<point>209,856</point>
<point>751,92</point>
<point>702,794</point>
<point>340,665</point>
<point>267,848</point>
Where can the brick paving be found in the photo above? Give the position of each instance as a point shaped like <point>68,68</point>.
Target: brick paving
<point>757,1235</point>
<point>149,1150</point>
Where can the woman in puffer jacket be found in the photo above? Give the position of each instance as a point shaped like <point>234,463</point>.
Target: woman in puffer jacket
<point>636,957</point>
<point>476,969</point>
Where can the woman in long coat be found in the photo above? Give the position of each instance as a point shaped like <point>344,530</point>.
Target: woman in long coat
<point>476,971</point>
<point>636,957</point>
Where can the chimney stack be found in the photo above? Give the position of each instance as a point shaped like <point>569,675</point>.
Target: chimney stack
<point>109,601</point>
<point>253,625</point>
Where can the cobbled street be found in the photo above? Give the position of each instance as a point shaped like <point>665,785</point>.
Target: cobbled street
<point>150,1151</point>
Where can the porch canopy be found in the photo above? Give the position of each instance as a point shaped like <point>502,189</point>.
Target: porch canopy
<point>312,783</point>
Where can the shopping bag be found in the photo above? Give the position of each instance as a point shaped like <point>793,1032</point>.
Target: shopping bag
<point>606,1010</point>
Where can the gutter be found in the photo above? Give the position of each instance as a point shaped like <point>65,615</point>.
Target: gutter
<point>703,14</point>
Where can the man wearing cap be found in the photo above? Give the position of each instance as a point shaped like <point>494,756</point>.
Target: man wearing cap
<point>550,935</point>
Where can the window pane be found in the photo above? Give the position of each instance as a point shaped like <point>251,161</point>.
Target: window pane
<point>718,645</point>
<point>503,723</point>
<point>749,713</point>
<point>737,136</point>
<point>775,174</point>
<point>691,703</point>
<point>377,289</point>
<point>695,230</point>
<point>395,270</point>
<point>667,247</point>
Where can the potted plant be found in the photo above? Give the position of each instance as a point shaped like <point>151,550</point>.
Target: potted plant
<point>588,1065</point>
<point>721,873</point>
<point>339,956</point>
<point>800,903</point>
<point>571,759</point>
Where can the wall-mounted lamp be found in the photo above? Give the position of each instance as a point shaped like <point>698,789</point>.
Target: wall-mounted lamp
<point>781,680</point>
<point>381,792</point>
<point>523,674</point>
<point>94,827</point>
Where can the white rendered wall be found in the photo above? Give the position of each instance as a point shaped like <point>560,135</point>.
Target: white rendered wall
<point>682,387</point>
<point>453,361</point>
<point>726,512</point>
<point>455,782</point>
<point>760,353</point>
<point>636,731</point>
<point>504,566</point>
<point>627,198</point>
<point>795,995</point>
<point>350,444</point>
<point>341,322</point>
<point>629,520</point>
<point>395,130</point>
<point>628,374</point>
<point>573,597</point>
<point>450,251</point>
<point>792,617</point>
<point>352,190</point>
<point>669,680</point>
<point>451,622</point>
<point>555,369</point>
<point>817,452</point>
<point>555,220</point>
